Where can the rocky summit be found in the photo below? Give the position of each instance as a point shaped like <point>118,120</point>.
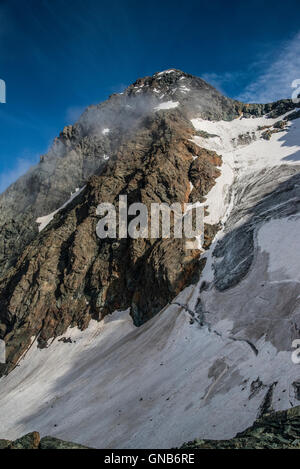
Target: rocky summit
<point>123,342</point>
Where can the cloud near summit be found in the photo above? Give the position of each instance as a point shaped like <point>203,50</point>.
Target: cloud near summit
<point>266,80</point>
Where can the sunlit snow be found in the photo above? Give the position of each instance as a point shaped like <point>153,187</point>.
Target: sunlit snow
<point>167,105</point>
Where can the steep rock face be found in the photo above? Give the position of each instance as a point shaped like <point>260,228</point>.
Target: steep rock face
<point>203,172</point>
<point>67,275</point>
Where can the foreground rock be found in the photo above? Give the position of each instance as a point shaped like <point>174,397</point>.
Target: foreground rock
<point>33,441</point>
<point>279,430</point>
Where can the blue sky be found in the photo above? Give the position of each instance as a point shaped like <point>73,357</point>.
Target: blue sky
<point>58,56</point>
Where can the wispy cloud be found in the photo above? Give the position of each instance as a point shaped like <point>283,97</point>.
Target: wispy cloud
<point>275,80</point>
<point>268,79</point>
<point>21,167</point>
<point>222,80</point>
<point>73,113</point>
<point>118,88</point>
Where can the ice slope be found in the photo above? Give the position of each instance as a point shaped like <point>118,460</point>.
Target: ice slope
<point>215,358</point>
<point>157,386</point>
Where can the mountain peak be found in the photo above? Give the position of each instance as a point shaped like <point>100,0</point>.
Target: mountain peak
<point>168,82</point>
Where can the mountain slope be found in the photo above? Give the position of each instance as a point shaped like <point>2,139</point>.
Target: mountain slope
<point>83,149</point>
<point>217,352</point>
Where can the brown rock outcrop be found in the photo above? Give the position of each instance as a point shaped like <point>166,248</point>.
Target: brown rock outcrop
<point>67,275</point>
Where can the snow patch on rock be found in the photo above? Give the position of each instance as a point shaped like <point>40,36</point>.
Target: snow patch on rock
<point>167,105</point>
<point>44,221</point>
